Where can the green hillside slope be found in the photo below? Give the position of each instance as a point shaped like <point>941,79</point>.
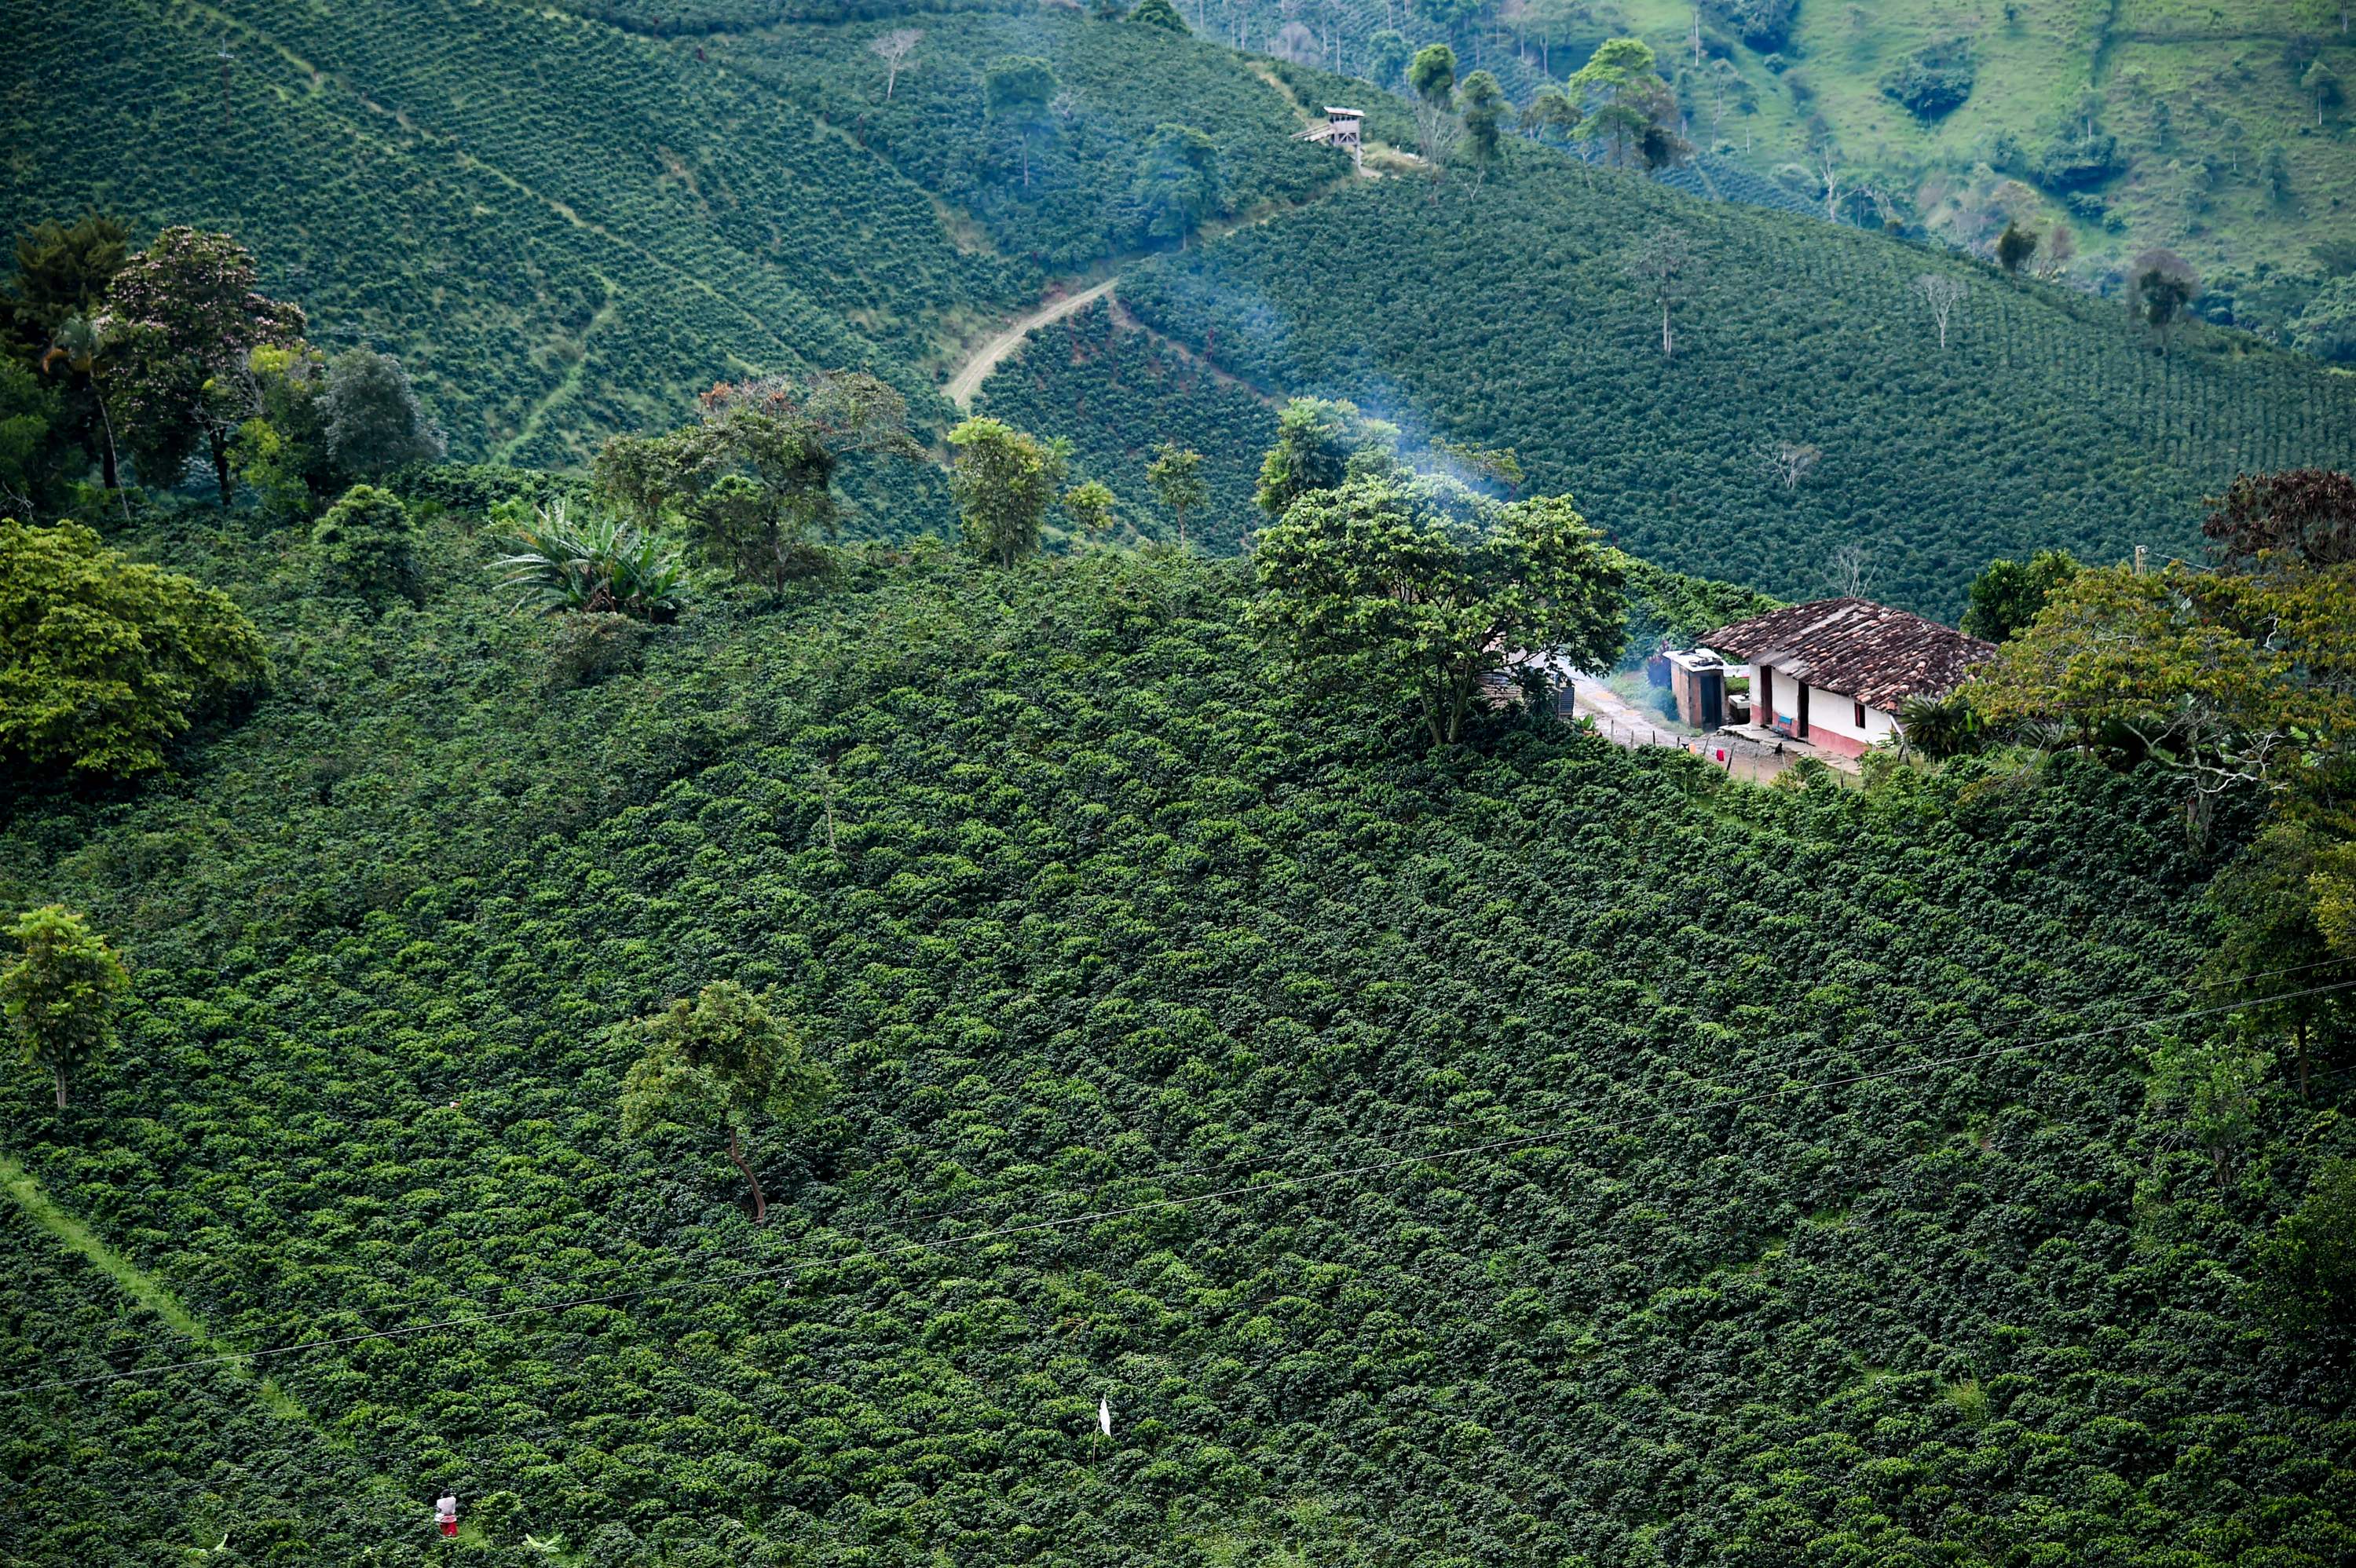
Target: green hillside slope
<point>1092,908</point>
<point>1509,317</point>
<point>2212,143</point>
<point>564,228</point>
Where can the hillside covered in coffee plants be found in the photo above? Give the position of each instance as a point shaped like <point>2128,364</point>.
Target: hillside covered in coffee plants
<point>1527,314</point>
<point>1528,1150</point>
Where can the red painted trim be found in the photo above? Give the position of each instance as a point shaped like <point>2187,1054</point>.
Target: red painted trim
<point>1824,739</point>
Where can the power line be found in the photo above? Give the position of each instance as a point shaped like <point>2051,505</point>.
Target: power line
<point>1097,1216</point>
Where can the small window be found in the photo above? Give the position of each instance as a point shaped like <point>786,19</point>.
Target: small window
<point>1860,715</point>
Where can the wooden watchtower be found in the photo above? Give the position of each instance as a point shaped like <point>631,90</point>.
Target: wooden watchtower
<point>1340,129</point>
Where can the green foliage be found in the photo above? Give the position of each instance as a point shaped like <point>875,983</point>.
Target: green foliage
<point>102,659</point>
<point>1178,182</point>
<point>1431,75</point>
<point>364,546</point>
<point>59,993</point>
<point>2307,1267</point>
<point>63,272</point>
<point>1316,439</point>
<point>1416,590</point>
<point>2043,426</point>
<point>567,560</point>
<point>2009,594</point>
<point>184,317</point>
<point>1090,907</point>
<point>1176,476</point>
<point>1004,481</point>
<point>1159,14</point>
<point>1089,505</point>
<point>1387,57</point>
<point>1764,25</point>
<point>282,449</point>
<point>1940,728</point>
<point>31,413</point>
<point>1934,82</point>
<point>2265,903</point>
<point>375,424</point>
<point>1626,110</point>
<point>752,483</point>
<point>717,1062</point>
<point>1484,103</point>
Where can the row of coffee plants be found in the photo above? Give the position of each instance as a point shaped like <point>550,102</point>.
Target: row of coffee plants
<point>1570,1154</point>
<point>1528,311</point>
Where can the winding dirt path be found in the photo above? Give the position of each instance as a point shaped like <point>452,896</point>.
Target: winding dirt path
<point>976,370</point>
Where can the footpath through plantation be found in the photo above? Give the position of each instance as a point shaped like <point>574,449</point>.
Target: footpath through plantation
<point>1523,1151</point>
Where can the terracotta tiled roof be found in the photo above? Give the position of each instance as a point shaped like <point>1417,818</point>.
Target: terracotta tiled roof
<point>1860,649</point>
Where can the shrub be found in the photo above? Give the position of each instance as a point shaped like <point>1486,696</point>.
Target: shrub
<point>569,560</point>
<point>103,659</point>
<point>365,546</point>
<point>1934,81</point>
<point>595,647</point>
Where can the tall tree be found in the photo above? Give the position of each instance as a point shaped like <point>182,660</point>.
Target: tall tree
<point>1003,481</point>
<point>187,316</point>
<point>1089,505</point>
<point>1485,102</point>
<point>1397,587</point>
<point>375,422</point>
<point>1627,108</point>
<point>1551,115</point>
<point>2238,681</point>
<point>2321,87</point>
<point>1017,91</point>
<point>751,482</point>
<point>1315,442</point>
<point>62,273</point>
<point>2162,288</point>
<point>1178,182</point>
<point>1431,76</point>
<point>716,1063</point>
<point>2014,246</point>
<point>1942,294</point>
<point>894,49</point>
<point>1661,266</point>
<point>1386,56</point>
<point>1176,476</point>
<point>58,994</point>
<point>85,348</point>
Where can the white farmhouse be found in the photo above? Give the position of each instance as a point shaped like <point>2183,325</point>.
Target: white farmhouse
<point>1833,673</point>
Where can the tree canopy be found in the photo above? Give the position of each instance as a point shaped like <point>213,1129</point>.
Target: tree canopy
<point>716,1063</point>
<point>103,659</point>
<point>59,993</point>
<point>1416,587</point>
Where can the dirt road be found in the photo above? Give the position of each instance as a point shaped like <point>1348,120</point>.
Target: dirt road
<point>976,370</point>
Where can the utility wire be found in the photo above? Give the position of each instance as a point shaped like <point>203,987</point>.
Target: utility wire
<point>1246,1189</point>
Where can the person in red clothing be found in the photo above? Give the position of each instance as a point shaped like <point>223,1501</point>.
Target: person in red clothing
<point>446,1513</point>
